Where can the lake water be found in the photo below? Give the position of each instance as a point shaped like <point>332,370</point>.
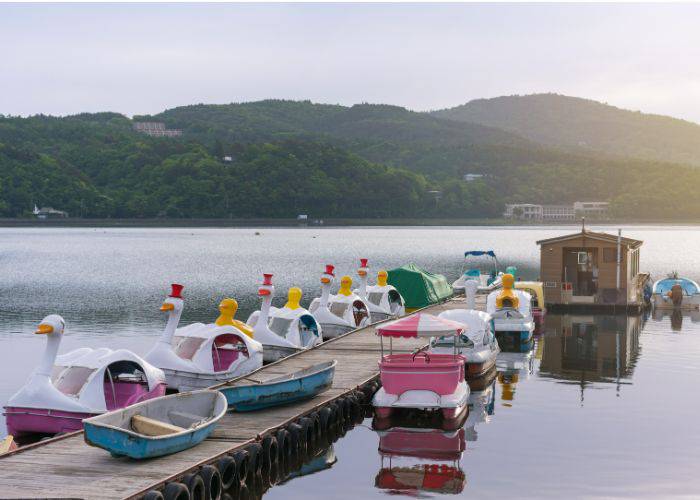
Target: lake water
<point>602,407</point>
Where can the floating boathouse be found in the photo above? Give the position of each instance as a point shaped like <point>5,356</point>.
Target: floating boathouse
<point>592,270</point>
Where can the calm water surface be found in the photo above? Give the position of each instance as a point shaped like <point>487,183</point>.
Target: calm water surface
<point>601,407</point>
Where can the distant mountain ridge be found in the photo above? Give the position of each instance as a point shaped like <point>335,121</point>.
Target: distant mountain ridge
<point>584,124</point>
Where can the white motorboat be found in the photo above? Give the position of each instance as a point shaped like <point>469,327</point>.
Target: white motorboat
<point>675,292</point>
<point>481,266</point>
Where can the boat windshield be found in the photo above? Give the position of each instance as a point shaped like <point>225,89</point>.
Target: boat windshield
<point>375,297</point>
<point>72,379</point>
<point>447,341</point>
<point>339,308</point>
<point>186,347</point>
<point>664,286</point>
<point>280,326</point>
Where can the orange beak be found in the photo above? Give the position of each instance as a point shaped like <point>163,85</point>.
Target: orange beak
<point>362,272</point>
<point>325,280</point>
<point>44,329</point>
<point>167,306</point>
<point>263,292</point>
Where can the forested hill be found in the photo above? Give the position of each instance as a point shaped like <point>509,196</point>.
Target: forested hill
<point>288,158</point>
<point>584,124</point>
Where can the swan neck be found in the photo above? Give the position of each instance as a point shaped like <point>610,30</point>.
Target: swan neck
<point>49,358</point>
<point>171,326</point>
<point>325,294</point>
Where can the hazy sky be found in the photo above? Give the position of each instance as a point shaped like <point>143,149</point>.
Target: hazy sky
<point>131,58</point>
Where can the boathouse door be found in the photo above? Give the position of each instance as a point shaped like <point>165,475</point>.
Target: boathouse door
<point>581,270</point>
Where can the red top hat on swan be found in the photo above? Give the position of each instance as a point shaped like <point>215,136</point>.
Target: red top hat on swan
<point>176,291</point>
<point>330,269</point>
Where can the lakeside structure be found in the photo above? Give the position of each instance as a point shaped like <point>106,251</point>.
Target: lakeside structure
<point>592,270</point>
<point>156,129</point>
<point>49,213</point>
<point>536,212</point>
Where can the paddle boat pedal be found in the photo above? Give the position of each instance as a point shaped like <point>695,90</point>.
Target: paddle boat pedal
<point>424,381</point>
<point>384,301</point>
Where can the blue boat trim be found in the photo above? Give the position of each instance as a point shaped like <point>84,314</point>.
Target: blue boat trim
<point>303,384</point>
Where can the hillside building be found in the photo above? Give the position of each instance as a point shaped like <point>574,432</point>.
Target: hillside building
<point>156,129</point>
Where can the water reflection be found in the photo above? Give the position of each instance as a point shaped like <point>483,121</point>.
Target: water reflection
<point>676,316</point>
<point>513,367</point>
<point>586,349</point>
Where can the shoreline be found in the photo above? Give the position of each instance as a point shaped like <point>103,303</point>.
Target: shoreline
<point>265,222</point>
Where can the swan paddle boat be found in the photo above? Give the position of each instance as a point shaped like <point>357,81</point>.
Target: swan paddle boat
<point>286,330</point>
<point>477,344</point>
<point>200,355</point>
<point>63,390</point>
<point>675,292</point>
<point>341,313</point>
<point>481,407</point>
<point>157,427</point>
<point>538,308</point>
<point>482,266</point>
<point>384,301</point>
<point>511,312</point>
<point>422,380</point>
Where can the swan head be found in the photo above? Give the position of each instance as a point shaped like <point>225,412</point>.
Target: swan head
<point>266,289</point>
<point>53,324</point>
<point>382,276</point>
<point>293,298</point>
<point>362,271</point>
<point>173,302</point>
<point>328,275</point>
<point>345,286</point>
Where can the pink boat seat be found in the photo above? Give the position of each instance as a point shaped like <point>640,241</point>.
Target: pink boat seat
<point>440,373</point>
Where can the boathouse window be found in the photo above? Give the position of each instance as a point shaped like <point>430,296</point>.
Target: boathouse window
<point>609,255</point>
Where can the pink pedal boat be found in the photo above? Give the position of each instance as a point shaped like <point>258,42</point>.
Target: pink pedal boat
<point>423,381</point>
<point>64,390</point>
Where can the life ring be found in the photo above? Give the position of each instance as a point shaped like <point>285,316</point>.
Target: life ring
<point>228,471</point>
<point>195,485</point>
<point>153,495</point>
<point>242,461</point>
<point>176,491</point>
<point>212,482</point>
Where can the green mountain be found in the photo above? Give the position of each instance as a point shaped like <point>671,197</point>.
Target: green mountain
<point>292,157</point>
<point>585,125</point>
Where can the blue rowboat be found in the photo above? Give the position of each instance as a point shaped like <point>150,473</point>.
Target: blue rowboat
<point>302,384</point>
<point>157,427</point>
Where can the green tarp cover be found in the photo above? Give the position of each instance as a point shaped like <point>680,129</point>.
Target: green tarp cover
<point>419,288</point>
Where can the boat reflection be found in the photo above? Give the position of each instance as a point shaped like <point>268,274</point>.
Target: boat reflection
<point>588,349</point>
<point>514,367</point>
<point>418,456</point>
<point>677,317</point>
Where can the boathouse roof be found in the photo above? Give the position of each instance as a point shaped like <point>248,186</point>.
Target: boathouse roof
<point>605,237</point>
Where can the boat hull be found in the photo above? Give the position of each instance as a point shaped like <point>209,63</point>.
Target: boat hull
<point>272,353</point>
<point>688,304</point>
<point>379,316</point>
<point>255,397</point>
<point>333,330</point>
<point>102,432</point>
<point>23,421</point>
<point>476,370</point>
<point>189,381</point>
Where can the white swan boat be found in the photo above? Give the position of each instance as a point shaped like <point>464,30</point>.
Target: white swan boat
<point>286,330</point>
<point>511,312</point>
<point>477,344</point>
<point>341,313</point>
<point>384,301</point>
<point>200,355</point>
<point>63,390</point>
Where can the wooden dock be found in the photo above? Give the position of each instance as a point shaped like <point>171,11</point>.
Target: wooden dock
<point>67,467</point>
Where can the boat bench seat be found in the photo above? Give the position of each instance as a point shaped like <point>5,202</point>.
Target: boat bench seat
<point>152,427</point>
<point>186,420</point>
